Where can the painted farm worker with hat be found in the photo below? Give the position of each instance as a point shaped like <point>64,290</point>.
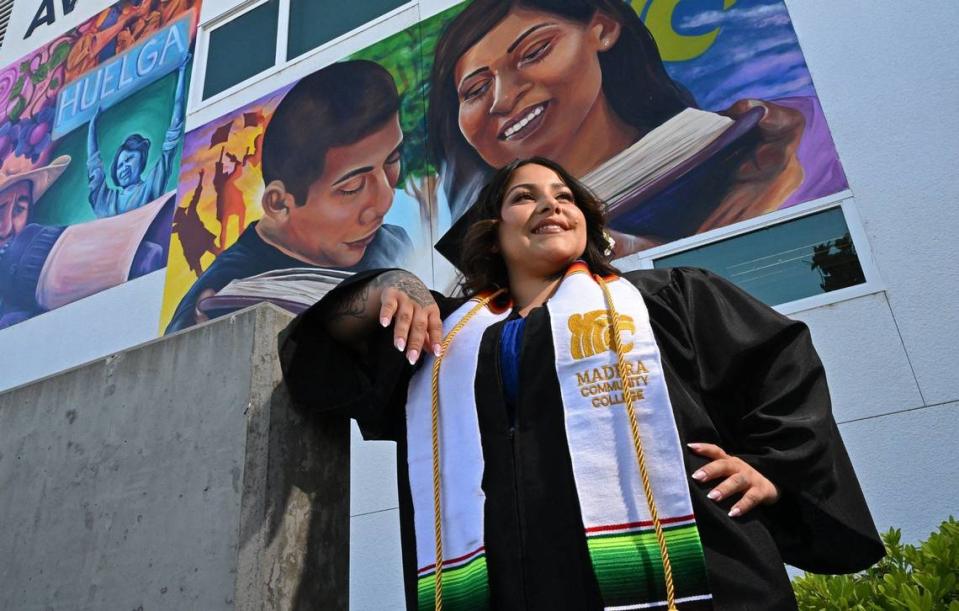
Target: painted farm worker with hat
<point>21,185</point>
<point>569,437</point>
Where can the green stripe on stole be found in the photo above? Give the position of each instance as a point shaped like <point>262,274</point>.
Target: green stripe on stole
<point>465,588</point>
<point>628,566</point>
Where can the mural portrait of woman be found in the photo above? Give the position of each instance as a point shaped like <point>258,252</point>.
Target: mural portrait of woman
<point>581,81</point>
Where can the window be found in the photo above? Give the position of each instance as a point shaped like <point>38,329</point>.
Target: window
<point>314,22</point>
<point>6,7</point>
<point>243,44</point>
<point>807,256</point>
<point>241,47</point>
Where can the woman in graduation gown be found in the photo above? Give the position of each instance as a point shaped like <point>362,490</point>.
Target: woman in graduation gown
<point>568,438</point>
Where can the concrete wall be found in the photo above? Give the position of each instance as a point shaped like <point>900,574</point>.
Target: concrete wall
<point>173,475</point>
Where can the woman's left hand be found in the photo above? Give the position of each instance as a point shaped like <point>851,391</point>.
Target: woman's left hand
<point>740,478</point>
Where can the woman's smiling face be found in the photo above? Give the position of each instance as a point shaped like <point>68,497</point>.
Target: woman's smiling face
<point>530,84</point>
<point>541,229</point>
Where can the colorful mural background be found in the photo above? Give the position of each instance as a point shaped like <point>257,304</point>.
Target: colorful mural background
<point>734,58</point>
<point>130,65</point>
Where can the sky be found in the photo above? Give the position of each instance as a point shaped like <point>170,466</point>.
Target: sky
<point>756,53</point>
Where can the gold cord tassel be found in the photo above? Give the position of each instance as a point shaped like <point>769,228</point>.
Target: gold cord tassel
<point>638,445</point>
<point>437,487</point>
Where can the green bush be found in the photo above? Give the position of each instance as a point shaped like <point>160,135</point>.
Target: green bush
<point>909,578</point>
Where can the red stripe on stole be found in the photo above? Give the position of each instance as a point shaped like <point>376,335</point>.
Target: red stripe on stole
<point>430,567</point>
<point>646,524</point>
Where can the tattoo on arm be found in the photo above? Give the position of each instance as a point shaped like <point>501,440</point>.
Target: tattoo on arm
<point>407,283</point>
<point>354,303</point>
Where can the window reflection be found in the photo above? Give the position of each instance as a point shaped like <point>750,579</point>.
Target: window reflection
<point>807,256</point>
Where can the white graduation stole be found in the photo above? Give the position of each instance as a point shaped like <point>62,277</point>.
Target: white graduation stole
<point>464,578</point>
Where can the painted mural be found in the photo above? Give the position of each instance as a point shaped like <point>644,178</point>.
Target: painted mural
<point>683,115</point>
<point>91,126</point>
<point>322,178</point>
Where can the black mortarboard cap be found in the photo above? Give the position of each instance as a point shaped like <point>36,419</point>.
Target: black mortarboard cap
<point>450,245</point>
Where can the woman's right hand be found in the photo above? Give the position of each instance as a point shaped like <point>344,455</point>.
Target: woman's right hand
<point>408,305</point>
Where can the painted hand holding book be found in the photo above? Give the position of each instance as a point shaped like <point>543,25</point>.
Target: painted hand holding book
<point>665,184</point>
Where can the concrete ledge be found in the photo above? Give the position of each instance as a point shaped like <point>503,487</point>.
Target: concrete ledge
<point>173,475</point>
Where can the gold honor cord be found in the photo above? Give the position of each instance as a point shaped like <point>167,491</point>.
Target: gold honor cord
<point>638,445</point>
<point>437,505</point>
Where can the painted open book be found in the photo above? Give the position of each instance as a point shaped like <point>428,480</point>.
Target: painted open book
<point>667,183</point>
<point>294,289</point>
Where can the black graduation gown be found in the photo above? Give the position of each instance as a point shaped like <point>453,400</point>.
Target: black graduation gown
<point>739,375</point>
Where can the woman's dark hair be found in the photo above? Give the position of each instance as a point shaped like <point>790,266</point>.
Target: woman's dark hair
<point>482,264</point>
<point>335,106</point>
<point>634,79</point>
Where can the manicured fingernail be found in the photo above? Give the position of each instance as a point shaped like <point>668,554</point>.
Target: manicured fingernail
<point>400,344</point>
<point>412,355</point>
<point>385,321</point>
<point>714,495</point>
<point>699,475</point>
<point>734,512</point>
<point>694,446</point>
<point>437,349</point>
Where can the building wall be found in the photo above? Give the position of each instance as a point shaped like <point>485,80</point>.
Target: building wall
<point>887,79</point>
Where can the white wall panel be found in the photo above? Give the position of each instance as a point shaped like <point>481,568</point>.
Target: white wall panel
<point>865,362</point>
<point>84,330</point>
<point>887,77</point>
<point>372,474</point>
<point>376,563</point>
<point>907,466</point>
